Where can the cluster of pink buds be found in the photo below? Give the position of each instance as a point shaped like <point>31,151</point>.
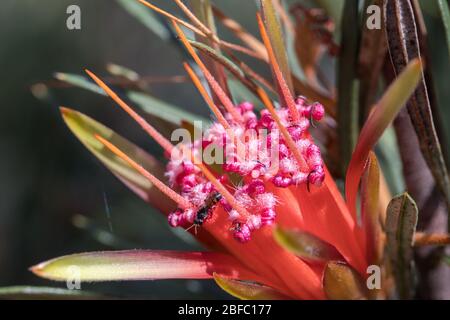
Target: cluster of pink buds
<point>254,197</point>
<point>254,172</point>
<point>288,172</point>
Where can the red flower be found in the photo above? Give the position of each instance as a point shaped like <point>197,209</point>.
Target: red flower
<point>272,234</point>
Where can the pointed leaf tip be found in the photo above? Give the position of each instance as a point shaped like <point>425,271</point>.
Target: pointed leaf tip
<point>384,112</point>
<point>138,265</point>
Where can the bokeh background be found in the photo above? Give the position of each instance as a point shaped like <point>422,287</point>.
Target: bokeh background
<point>55,197</point>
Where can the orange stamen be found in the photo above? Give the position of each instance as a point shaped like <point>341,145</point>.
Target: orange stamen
<point>182,202</point>
<point>291,144</point>
<point>205,96</point>
<point>163,142</point>
<point>227,103</point>
<point>193,18</point>
<point>208,32</point>
<point>172,17</point>
<point>284,88</point>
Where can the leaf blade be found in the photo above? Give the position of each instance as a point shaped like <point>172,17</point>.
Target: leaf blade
<point>138,265</point>
<point>45,293</point>
<point>146,17</point>
<point>384,113</point>
<point>84,128</point>
<point>401,222</point>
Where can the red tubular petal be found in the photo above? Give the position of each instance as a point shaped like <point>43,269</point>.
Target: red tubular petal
<point>327,217</point>
<point>277,268</point>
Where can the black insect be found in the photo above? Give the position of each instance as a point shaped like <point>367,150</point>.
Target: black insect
<point>205,210</point>
<point>208,206</point>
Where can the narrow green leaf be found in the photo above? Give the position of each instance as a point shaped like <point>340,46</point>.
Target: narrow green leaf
<point>341,282</point>
<point>371,59</point>
<point>172,116</point>
<point>276,39</point>
<point>79,81</point>
<point>348,85</point>
<point>245,78</point>
<point>219,57</point>
<point>45,293</point>
<point>445,15</point>
<point>247,290</point>
<point>388,154</point>
<point>163,110</point>
<point>122,71</point>
<point>85,128</point>
<point>306,245</point>
<point>242,93</point>
<point>146,17</point>
<point>401,222</point>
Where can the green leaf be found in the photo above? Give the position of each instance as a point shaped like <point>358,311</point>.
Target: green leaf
<point>85,128</point>
<point>146,17</point>
<point>445,15</point>
<point>306,245</point>
<point>136,265</point>
<point>247,290</point>
<point>341,282</point>
<point>247,80</point>
<point>79,81</point>
<point>388,154</point>
<point>164,110</point>
<point>401,222</point>
<point>171,115</point>
<point>45,293</point>
<point>372,55</point>
<point>348,85</point>
<point>122,71</point>
<point>241,93</point>
<point>219,57</point>
<point>276,39</point>
<point>383,114</point>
